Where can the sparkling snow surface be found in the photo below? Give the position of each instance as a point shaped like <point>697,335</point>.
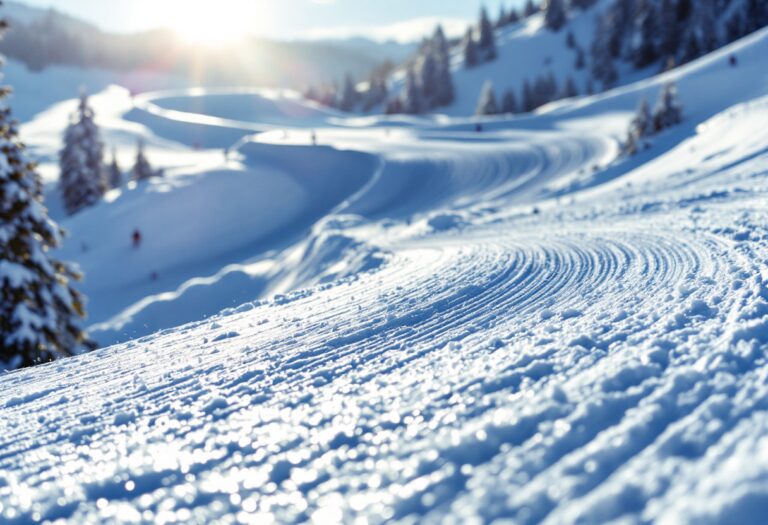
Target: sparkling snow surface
<point>508,325</point>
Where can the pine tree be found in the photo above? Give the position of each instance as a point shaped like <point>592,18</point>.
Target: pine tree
<point>487,103</point>
<point>668,111</point>
<point>39,308</point>
<point>668,29</point>
<point>428,75</point>
<point>349,95</point>
<point>708,30</point>
<point>503,17</point>
<point>487,40</point>
<point>640,127</point>
<point>471,58</point>
<point>691,50</point>
<point>444,91</point>
<point>412,102</point>
<point>142,170</point>
<point>529,104</point>
<point>570,40</point>
<point>509,102</point>
<point>115,173</point>
<point>554,15</point>
<point>530,8</point>
<point>82,181</point>
<point>581,61</point>
<point>602,61</point>
<point>646,52</point>
<point>570,89</point>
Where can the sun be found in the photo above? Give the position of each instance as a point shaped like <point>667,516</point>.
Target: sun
<point>213,23</point>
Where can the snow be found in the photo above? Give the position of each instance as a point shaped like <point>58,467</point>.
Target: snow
<point>412,321</point>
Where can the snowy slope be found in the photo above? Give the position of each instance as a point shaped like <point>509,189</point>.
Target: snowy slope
<point>452,326</point>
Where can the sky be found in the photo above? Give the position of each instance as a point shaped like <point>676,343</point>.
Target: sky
<point>284,19</point>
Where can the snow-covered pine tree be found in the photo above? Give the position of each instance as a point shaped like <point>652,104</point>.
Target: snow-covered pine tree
<point>530,9</point>
<point>444,90</point>
<point>412,101</point>
<point>349,95</point>
<point>554,14</point>
<point>487,104</point>
<point>691,49</point>
<point>39,308</point>
<point>469,45</point>
<point>82,181</point>
<point>646,52</point>
<point>428,79</point>
<point>708,28</point>
<point>602,61</point>
<point>509,102</point>
<point>640,127</point>
<point>115,174</point>
<point>503,16</point>
<point>529,103</point>
<point>570,90</point>
<point>668,111</point>
<point>142,170</point>
<point>668,29</point>
<point>487,40</point>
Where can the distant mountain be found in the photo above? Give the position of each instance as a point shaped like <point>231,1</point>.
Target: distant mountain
<point>40,38</point>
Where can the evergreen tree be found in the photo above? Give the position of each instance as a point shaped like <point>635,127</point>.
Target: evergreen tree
<point>412,103</point>
<point>394,106</point>
<point>602,61</point>
<point>503,17</point>
<point>39,308</point>
<point>429,81</point>
<point>509,102</point>
<point>590,87</point>
<point>646,52</point>
<point>115,174</point>
<point>570,89</point>
<point>530,8</point>
<point>435,78</point>
<point>734,26</point>
<point>668,111</point>
<point>349,95</point>
<point>640,127</point>
<point>82,181</point>
<point>487,40</point>
<point>581,61</point>
<point>142,170</point>
<point>445,93</point>
<point>570,40</point>
<point>691,50</point>
<point>471,58</point>
<point>529,103</point>
<point>708,30</point>
<point>554,15</point>
<point>755,14</point>
<point>487,103</point>
<point>668,29</point>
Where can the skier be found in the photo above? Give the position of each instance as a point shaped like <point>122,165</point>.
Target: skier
<point>314,138</point>
<point>136,238</point>
<point>478,128</point>
<point>733,61</point>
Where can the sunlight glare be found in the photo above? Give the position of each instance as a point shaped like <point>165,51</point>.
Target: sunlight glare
<point>213,23</point>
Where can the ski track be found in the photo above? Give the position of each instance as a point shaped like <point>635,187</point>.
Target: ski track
<point>602,360</point>
<point>517,393</point>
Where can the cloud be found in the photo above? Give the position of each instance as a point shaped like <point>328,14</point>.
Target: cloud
<point>403,32</point>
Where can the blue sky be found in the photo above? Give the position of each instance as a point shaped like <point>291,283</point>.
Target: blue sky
<point>281,18</point>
